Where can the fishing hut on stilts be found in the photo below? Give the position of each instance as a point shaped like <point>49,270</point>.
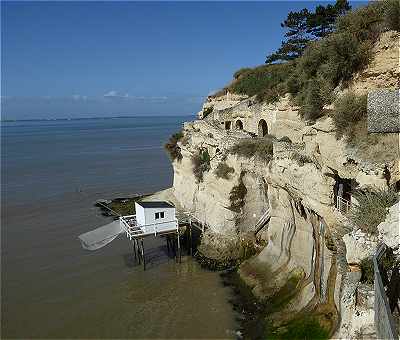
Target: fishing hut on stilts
<point>152,218</point>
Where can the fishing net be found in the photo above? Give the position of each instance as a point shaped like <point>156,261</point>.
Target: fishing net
<point>100,237</point>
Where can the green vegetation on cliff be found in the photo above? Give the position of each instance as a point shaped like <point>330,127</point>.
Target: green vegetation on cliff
<point>174,151</point>
<point>224,171</point>
<point>372,207</point>
<point>201,164</point>
<point>259,147</point>
<point>323,64</point>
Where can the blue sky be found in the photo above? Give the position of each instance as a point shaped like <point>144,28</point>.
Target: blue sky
<point>84,59</point>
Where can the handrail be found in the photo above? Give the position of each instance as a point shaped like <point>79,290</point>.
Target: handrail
<point>262,218</point>
<point>384,323</point>
<point>132,230</point>
<point>343,205</point>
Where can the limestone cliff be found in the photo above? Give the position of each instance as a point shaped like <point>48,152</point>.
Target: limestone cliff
<point>304,237</point>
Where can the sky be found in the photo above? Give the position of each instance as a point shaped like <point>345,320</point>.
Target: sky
<point>96,59</point>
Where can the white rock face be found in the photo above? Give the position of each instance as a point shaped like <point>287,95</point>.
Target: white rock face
<point>357,313</point>
<point>284,185</point>
<point>389,229</point>
<point>359,245</point>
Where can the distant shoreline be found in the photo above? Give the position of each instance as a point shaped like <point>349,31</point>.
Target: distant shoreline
<point>88,118</point>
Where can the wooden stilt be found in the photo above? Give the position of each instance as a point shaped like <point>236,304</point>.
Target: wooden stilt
<point>173,240</point>
<point>138,251</point>
<point>134,248</point>
<point>190,240</point>
<point>168,246</point>
<point>179,257</point>
<point>143,257</point>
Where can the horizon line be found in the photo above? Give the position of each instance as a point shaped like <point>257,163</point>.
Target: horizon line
<point>89,118</point>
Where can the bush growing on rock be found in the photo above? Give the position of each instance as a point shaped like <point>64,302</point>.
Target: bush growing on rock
<point>207,111</point>
<point>241,72</point>
<point>266,81</point>
<point>348,111</point>
<point>223,170</point>
<point>325,63</point>
<point>174,151</point>
<point>285,139</point>
<point>392,15</point>
<point>201,164</point>
<point>301,158</point>
<point>367,270</point>
<point>259,147</point>
<point>312,103</point>
<point>237,195</point>
<point>372,207</point>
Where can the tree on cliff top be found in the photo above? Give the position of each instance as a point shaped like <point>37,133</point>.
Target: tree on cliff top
<point>304,26</point>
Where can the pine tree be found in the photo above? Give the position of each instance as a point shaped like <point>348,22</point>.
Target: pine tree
<point>296,24</point>
<point>304,26</point>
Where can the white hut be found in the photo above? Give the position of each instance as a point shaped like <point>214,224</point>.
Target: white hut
<point>160,214</point>
<point>151,218</point>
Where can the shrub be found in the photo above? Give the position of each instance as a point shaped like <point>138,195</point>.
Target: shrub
<point>174,151</point>
<point>348,111</point>
<point>367,270</point>
<point>330,61</point>
<point>271,95</point>
<point>364,22</point>
<point>241,72</point>
<point>372,207</point>
<point>201,164</point>
<point>301,158</point>
<point>207,111</point>
<point>312,104</point>
<point>263,81</point>
<point>237,195</point>
<point>223,170</point>
<point>259,147</point>
<point>392,15</point>
<point>285,139</point>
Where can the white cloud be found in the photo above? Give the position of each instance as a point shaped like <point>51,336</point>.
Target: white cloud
<point>115,94</point>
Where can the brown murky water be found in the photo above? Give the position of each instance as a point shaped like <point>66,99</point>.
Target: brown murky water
<point>51,288</point>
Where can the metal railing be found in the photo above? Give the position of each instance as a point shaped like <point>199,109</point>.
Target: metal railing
<point>343,205</point>
<point>132,229</point>
<point>384,323</point>
<point>262,220</point>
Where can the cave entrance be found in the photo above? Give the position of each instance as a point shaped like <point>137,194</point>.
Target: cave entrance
<point>342,191</point>
<point>239,125</point>
<point>262,128</point>
<point>228,124</point>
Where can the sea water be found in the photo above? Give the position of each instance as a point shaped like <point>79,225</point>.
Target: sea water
<point>51,174</point>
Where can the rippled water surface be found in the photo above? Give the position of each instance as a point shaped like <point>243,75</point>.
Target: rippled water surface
<point>52,172</point>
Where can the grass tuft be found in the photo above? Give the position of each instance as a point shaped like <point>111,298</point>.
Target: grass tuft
<point>201,164</point>
<point>259,147</point>
<point>174,151</point>
<point>237,195</point>
<point>224,171</point>
<point>348,111</point>
<point>372,208</point>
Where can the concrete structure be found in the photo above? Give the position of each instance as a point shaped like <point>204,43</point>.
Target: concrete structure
<point>383,111</point>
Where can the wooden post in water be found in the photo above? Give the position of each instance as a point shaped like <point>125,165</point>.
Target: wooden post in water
<point>166,238</point>
<point>179,247</point>
<point>144,259</point>
<point>138,250</point>
<point>134,248</point>
<point>190,240</point>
